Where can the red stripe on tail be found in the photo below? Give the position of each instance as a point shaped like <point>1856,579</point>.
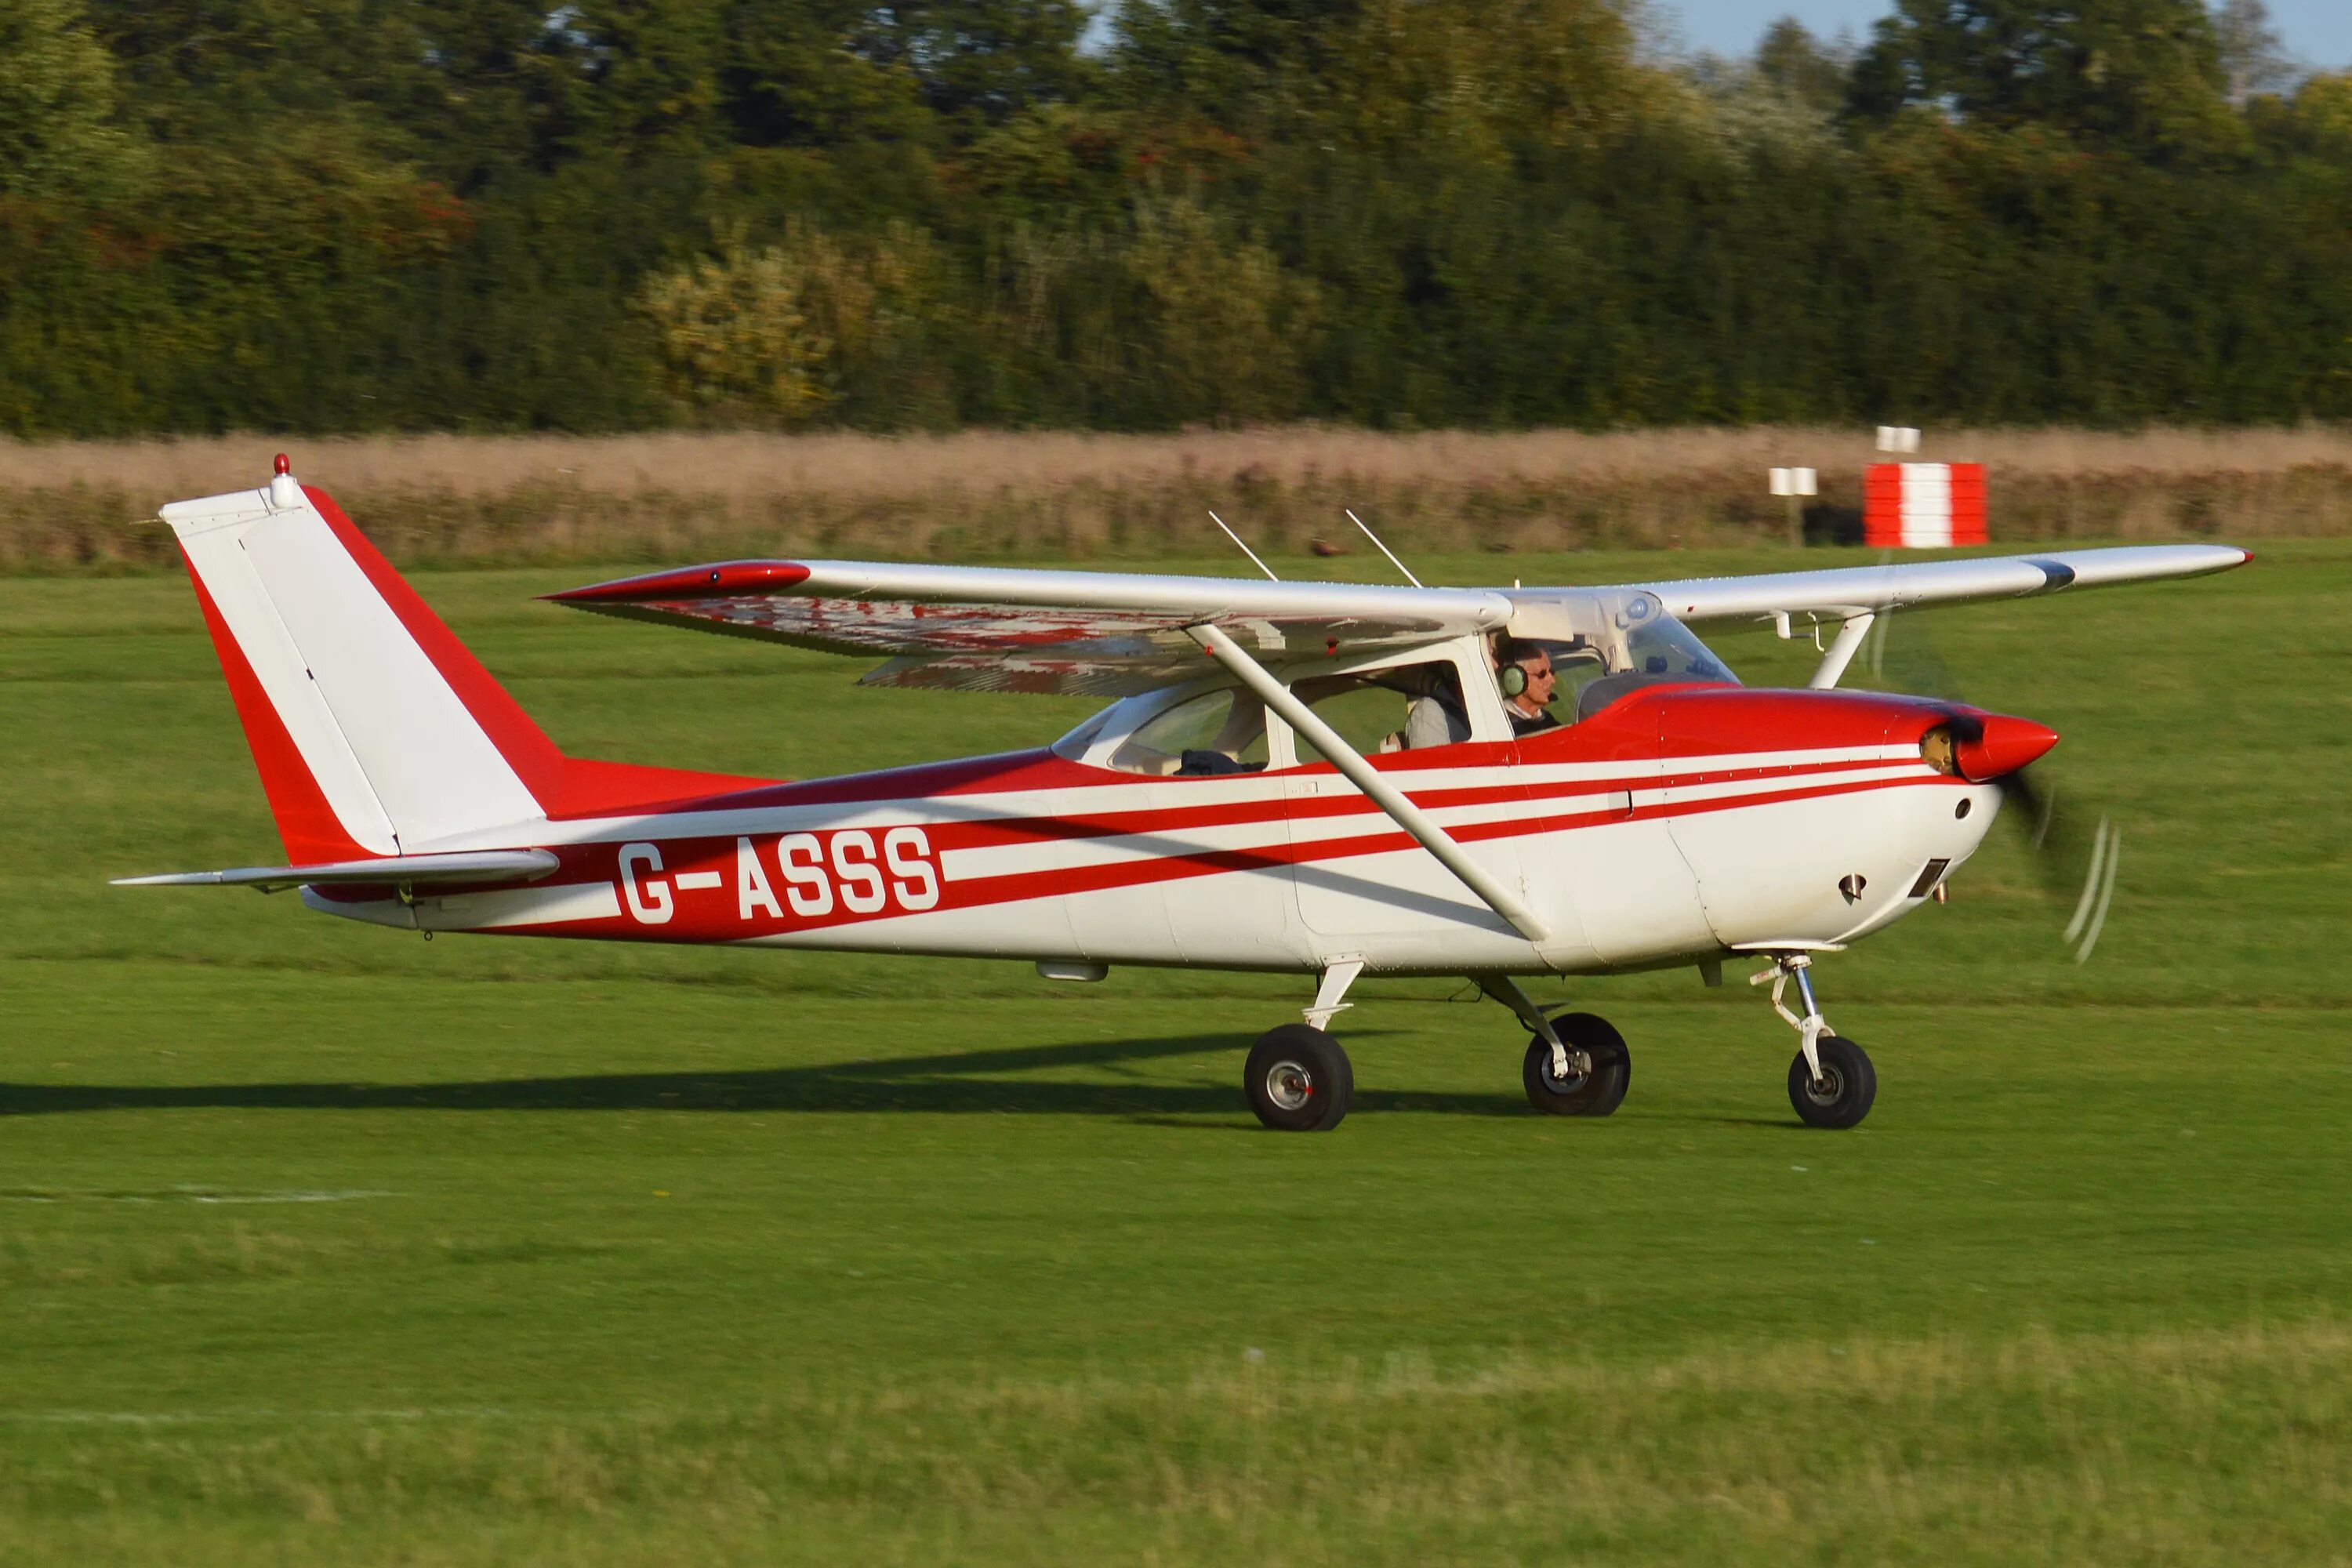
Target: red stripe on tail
<point>523,744</point>
<point>307,824</point>
<point>564,787</point>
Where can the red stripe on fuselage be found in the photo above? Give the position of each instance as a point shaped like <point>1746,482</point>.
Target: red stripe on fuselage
<point>991,833</point>
<point>1625,741</point>
<point>1732,719</point>
<point>717,854</point>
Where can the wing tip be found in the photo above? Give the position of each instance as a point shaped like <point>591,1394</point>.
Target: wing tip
<point>723,577</point>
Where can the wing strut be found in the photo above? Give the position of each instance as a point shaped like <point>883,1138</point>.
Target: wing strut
<point>1842,651</point>
<point>1363,774</point>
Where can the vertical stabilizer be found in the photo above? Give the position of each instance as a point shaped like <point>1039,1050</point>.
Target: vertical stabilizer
<point>375,731</point>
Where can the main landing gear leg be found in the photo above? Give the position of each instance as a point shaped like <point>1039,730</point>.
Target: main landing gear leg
<point>1505,990</point>
<point>1298,1078</point>
<point>1576,1064</point>
<point>1831,1081</point>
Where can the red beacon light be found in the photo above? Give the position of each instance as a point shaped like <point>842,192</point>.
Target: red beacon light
<point>285,494</point>
<point>281,464</point>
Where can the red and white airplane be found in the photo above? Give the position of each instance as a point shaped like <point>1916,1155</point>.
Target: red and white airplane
<point>1315,778</point>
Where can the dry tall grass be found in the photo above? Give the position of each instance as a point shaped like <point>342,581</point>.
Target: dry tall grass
<point>451,499</point>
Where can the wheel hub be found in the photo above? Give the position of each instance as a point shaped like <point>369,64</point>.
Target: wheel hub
<point>1289,1085</point>
<point>1824,1090</point>
<point>1565,1084</point>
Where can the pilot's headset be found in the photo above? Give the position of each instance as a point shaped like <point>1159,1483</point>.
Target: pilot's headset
<point>1509,675</point>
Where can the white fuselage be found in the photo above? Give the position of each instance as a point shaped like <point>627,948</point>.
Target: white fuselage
<point>1631,861</point>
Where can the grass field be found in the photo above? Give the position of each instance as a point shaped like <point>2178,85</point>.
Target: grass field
<point>86,508</point>
<point>322,1244</point>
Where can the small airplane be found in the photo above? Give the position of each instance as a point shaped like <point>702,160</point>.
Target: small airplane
<point>1324,779</point>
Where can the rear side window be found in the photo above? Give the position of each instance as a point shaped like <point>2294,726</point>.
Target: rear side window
<point>1220,731</point>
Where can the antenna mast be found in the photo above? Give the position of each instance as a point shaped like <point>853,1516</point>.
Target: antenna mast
<point>1375,537</point>
<point>1248,551</point>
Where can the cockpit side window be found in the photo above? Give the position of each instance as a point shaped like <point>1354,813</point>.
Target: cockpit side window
<point>1576,664</point>
<point>1440,695</point>
<point>1402,707</point>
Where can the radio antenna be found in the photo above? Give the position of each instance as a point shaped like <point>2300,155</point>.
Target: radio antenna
<point>1375,537</point>
<point>1247,550</point>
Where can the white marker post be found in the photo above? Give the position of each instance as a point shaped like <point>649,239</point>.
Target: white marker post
<point>1796,484</point>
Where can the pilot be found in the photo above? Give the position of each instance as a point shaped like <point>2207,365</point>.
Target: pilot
<point>1523,669</point>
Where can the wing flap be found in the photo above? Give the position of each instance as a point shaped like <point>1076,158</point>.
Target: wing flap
<point>1102,632</point>
<point>1030,674</point>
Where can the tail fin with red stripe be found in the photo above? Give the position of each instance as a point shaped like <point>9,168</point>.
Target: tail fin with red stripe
<point>375,731</point>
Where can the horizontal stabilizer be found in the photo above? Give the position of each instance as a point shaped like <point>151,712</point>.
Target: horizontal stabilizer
<point>480,866</point>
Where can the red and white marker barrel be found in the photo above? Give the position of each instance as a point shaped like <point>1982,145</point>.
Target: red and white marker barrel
<point>1923,505</point>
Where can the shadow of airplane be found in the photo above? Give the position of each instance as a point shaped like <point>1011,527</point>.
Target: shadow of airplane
<point>951,1083</point>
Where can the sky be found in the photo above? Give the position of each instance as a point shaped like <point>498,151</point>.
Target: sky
<point>2317,32</point>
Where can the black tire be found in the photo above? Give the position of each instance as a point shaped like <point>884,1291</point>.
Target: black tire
<point>1594,1093</point>
<point>1299,1079</point>
<point>1849,1083</point>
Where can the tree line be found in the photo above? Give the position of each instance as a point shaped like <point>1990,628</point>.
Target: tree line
<point>360,215</point>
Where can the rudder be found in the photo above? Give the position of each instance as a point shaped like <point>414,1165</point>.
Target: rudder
<point>375,731</point>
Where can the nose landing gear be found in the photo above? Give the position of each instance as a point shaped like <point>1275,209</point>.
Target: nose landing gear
<point>1831,1081</point>
<point>1836,1089</point>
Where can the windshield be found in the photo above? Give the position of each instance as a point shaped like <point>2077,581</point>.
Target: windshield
<point>1605,644</point>
<point>1663,646</point>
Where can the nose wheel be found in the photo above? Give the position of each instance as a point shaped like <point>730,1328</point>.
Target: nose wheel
<point>1830,1083</point>
<point>1835,1090</point>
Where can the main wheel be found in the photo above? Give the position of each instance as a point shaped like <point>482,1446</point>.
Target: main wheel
<point>1597,1090</point>
<point>1299,1079</point>
<point>1841,1097</point>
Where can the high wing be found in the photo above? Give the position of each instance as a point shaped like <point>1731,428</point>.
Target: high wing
<point>1844,592</point>
<point>1111,633</point>
<point>1011,629</point>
